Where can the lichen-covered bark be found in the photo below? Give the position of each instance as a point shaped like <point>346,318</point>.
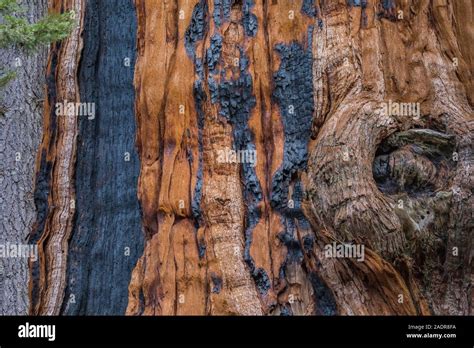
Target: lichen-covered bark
<point>20,132</point>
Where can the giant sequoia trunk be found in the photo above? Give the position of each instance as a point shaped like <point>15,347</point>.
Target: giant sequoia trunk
<point>267,133</point>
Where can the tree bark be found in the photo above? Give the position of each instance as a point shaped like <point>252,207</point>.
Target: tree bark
<point>427,235</point>
<point>20,134</point>
<point>267,132</point>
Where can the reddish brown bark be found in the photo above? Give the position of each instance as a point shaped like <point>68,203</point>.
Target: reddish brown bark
<point>307,88</point>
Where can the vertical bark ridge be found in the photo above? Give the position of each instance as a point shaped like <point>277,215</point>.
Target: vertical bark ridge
<point>88,227</point>
<point>49,276</point>
<point>107,238</point>
<point>169,278</point>
<point>244,253</point>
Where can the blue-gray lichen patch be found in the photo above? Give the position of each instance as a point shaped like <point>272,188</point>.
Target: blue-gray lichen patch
<point>195,33</point>
<point>236,100</point>
<point>387,9</point>
<point>107,238</point>
<point>221,11</point>
<point>294,94</point>
<point>250,20</point>
<point>197,28</point>
<point>325,302</point>
<point>308,8</point>
<point>213,53</point>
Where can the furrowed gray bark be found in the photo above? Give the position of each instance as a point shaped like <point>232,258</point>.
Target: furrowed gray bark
<point>21,103</point>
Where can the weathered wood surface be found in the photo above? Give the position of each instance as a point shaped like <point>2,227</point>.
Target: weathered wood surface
<point>305,92</point>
